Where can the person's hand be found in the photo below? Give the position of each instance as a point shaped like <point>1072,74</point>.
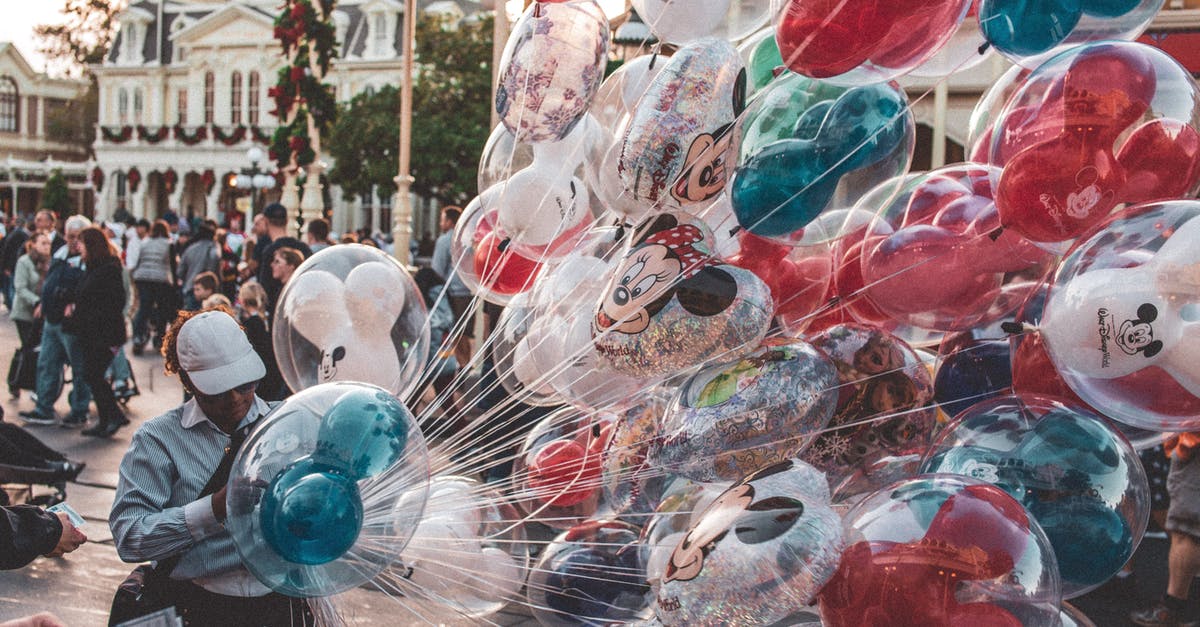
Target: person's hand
<point>37,310</point>
<point>70,539</point>
<point>218,504</point>
<point>41,619</point>
<point>69,310</point>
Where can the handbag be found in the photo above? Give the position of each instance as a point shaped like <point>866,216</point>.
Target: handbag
<point>149,588</point>
<point>22,370</point>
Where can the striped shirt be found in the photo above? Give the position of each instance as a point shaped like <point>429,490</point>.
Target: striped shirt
<point>156,512</point>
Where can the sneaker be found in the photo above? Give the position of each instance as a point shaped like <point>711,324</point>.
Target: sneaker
<point>37,418</point>
<point>1159,615</point>
<point>74,421</point>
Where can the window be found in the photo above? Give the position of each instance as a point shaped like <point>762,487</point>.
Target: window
<point>32,128</point>
<point>181,106</point>
<point>252,87</point>
<point>123,106</point>
<point>10,105</point>
<point>235,99</point>
<point>379,34</point>
<point>209,94</point>
<point>137,105</point>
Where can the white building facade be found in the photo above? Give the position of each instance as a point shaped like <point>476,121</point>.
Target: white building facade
<point>184,96</point>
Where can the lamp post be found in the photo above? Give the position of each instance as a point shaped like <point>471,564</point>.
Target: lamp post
<point>254,179</point>
<point>402,206</point>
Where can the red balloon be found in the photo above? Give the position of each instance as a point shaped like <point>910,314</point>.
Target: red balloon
<point>500,269</point>
<point>565,473</point>
<point>798,285</point>
<point>824,38</point>
<point>1162,161</point>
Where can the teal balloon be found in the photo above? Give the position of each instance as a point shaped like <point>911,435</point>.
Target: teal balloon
<point>1025,28</point>
<point>764,59</point>
<point>1109,8</point>
<point>787,183</point>
<point>363,433</point>
<point>311,514</point>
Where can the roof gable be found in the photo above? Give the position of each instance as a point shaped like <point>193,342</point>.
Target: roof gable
<point>233,23</point>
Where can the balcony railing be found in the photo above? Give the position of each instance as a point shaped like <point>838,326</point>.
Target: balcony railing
<point>177,135</point>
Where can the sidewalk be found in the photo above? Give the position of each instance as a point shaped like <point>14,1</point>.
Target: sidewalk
<point>79,587</point>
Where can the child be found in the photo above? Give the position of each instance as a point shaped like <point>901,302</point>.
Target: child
<point>204,285</point>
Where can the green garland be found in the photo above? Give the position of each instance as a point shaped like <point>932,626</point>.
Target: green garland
<point>300,29</point>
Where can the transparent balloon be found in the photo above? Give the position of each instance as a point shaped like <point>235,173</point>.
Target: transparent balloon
<point>351,313</point>
<point>859,43</point>
<point>966,49</point>
<point>799,276</point>
<point>804,148</point>
<point>552,67</point>
<point>988,110</point>
<point>941,237</point>
<point>1095,128</point>
<point>943,550</point>
<point>1120,320</point>
<point>763,62</point>
<point>682,504</point>
<point>482,258</point>
<point>620,93</point>
<point>971,367</point>
<point>514,350</point>
<point>557,471</point>
<point>734,417</point>
<point>503,155</point>
<point>884,420</point>
<point>684,21</point>
<point>467,553</point>
<point>756,554</point>
<point>593,574</point>
<point>1028,33</point>
<point>633,486</point>
<point>327,490</point>
<point>1076,475</point>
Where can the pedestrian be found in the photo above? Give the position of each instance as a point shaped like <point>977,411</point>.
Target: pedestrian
<point>284,263</point>
<point>19,447</point>
<point>201,255</point>
<point>27,531</point>
<point>1175,608</point>
<point>317,234</point>
<point>157,300</point>
<point>251,313</point>
<point>97,321</point>
<point>59,348</point>
<point>27,294</point>
<point>204,285</point>
<point>162,511</point>
<point>46,221</point>
<point>276,221</point>
<point>456,291</point>
<point>228,267</point>
<point>10,251</point>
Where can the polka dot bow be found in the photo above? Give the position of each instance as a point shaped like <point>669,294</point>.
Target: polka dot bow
<point>681,240</point>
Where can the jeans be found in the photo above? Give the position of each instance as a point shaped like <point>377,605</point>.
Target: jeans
<point>59,348</point>
<point>119,370</point>
<point>96,358</point>
<point>156,309</point>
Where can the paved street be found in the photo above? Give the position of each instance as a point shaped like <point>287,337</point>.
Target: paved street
<point>79,587</point>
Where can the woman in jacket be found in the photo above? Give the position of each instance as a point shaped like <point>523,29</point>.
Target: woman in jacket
<point>97,321</point>
<point>27,293</point>
<point>155,287</point>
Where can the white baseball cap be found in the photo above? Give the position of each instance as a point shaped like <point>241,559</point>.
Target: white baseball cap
<point>215,353</point>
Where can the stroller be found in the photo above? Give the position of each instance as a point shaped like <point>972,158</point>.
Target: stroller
<point>42,483</point>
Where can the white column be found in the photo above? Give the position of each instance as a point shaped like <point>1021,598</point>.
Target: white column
<point>211,210</point>
<point>137,200</point>
<point>40,131</point>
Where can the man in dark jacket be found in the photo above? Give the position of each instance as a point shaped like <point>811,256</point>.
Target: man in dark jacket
<point>277,219</point>
<point>27,532</point>
<point>11,250</point>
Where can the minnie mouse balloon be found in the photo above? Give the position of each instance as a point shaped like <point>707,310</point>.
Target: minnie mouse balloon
<point>552,66</point>
<point>758,553</point>
<point>1095,128</point>
<point>676,146</point>
<point>670,305</point>
<point>942,550</point>
<point>1120,322</point>
<point>1072,471</point>
<point>351,313</point>
<point>858,43</point>
<point>732,418</point>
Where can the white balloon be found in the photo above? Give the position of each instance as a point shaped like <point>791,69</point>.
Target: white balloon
<point>682,21</point>
<point>536,209</point>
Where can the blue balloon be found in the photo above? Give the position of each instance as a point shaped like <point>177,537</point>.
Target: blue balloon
<point>597,578</point>
<point>1109,8</point>
<point>789,182</point>
<point>1025,28</point>
<point>310,513</point>
<point>971,375</point>
<point>1075,475</point>
<point>363,433</point>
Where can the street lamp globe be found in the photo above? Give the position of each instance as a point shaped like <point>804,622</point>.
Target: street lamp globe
<point>255,154</point>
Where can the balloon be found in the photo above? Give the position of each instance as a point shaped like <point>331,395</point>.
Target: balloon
<point>1074,474</point>
<point>884,400</point>
<point>363,433</point>
<point>760,551</point>
<point>799,277</point>
<point>988,110</point>
<point>734,417</point>
<point>543,216</point>
<point>922,544</point>
<point>792,169</point>
<point>620,92</point>
<point>552,66</point>
<point>683,503</point>
<point>1027,31</point>
<point>502,155</point>
<point>763,61</point>
<point>351,313</point>
<point>559,465</point>
<point>632,485</point>
<point>966,49</point>
<point>971,370</point>
<point>312,509</point>
<point>1120,320</point>
<point>670,305</point>
<point>590,575</point>
<point>465,553</point>
<point>685,21</point>
<point>942,238</point>
<point>516,351</point>
<point>676,145</point>
<point>310,513</point>
<point>481,254</point>
<point>1096,127</point>
<point>867,42</point>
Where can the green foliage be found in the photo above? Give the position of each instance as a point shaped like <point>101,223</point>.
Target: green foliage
<point>84,36</point>
<point>73,121</point>
<point>451,116</point>
<point>55,194</point>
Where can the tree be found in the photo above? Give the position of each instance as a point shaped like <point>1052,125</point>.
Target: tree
<point>451,112</point>
<point>55,195</point>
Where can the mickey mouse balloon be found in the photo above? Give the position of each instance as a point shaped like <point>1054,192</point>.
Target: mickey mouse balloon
<point>351,313</point>
<point>670,304</point>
